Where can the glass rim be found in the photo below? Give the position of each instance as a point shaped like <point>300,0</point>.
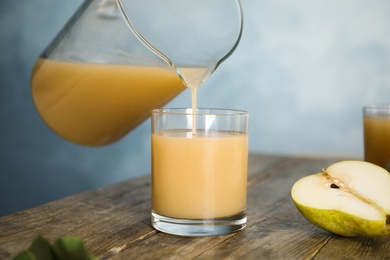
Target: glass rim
<point>200,111</point>
<point>377,107</point>
<point>380,110</point>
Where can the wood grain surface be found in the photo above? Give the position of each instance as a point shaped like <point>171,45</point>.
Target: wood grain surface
<point>114,222</point>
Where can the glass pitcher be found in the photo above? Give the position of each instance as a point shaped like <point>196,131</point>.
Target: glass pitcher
<point>115,61</point>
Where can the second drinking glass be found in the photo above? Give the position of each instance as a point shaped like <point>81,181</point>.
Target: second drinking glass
<point>376,123</point>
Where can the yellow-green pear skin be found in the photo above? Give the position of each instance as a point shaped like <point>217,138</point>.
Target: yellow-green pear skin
<point>342,223</point>
<point>349,198</point>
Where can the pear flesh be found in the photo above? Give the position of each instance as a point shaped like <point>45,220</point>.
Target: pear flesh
<point>349,198</point>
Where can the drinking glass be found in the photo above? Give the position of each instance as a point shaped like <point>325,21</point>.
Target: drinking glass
<point>376,122</point>
<point>199,171</point>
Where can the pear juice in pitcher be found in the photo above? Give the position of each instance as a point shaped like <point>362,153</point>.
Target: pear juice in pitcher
<point>97,104</point>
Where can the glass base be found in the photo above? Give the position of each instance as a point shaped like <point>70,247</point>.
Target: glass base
<point>199,227</point>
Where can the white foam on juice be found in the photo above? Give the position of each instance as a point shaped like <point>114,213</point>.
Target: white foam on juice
<point>200,133</point>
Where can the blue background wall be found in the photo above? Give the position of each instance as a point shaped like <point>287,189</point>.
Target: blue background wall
<point>303,70</point>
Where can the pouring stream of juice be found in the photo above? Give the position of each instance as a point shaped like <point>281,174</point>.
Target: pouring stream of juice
<point>193,78</point>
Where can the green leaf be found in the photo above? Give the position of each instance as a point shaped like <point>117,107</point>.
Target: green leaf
<point>26,255</point>
<point>40,249</point>
<point>71,248</point>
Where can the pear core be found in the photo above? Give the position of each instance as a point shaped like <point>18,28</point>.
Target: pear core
<point>349,198</point>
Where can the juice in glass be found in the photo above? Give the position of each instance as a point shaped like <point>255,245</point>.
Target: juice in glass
<point>377,136</point>
<point>199,177</point>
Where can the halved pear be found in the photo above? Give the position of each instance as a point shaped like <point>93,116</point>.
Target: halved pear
<point>349,198</point>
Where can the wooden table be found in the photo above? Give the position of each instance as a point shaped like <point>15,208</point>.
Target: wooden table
<point>118,216</point>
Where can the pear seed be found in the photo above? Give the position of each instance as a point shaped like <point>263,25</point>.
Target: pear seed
<point>334,186</point>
